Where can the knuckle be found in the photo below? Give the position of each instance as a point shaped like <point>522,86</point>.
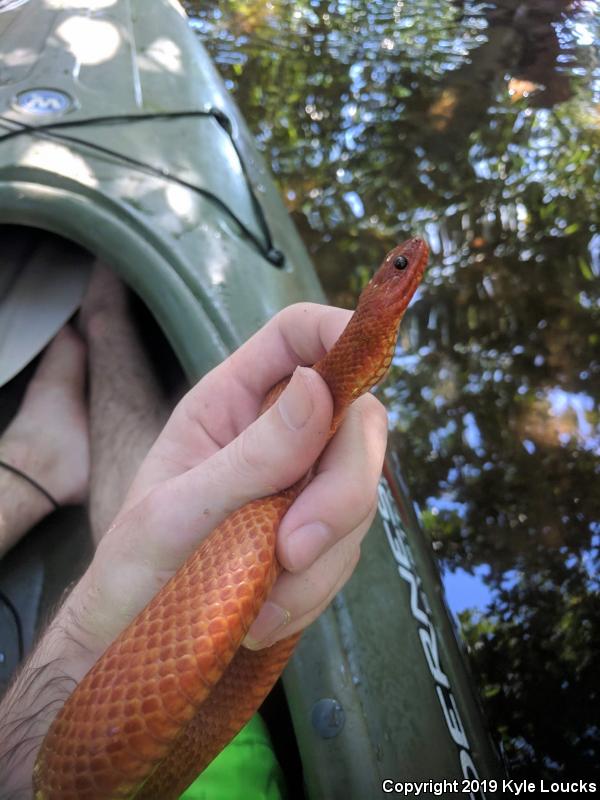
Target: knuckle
<point>245,457</point>
<point>358,498</point>
<point>252,459</point>
<point>330,583</point>
<point>353,558</point>
<point>372,511</point>
<point>292,311</point>
<point>348,563</point>
<point>290,316</point>
<point>302,315</point>
<point>152,506</point>
<point>374,415</point>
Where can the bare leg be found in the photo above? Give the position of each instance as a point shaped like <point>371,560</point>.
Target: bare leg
<point>47,440</point>
<point>127,409</point>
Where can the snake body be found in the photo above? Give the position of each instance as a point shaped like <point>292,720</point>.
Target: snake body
<point>173,689</point>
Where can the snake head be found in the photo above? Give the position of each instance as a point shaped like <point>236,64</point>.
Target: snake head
<point>382,305</point>
<point>363,353</point>
<point>391,288</point>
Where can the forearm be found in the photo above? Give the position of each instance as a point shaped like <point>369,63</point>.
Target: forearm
<point>39,690</point>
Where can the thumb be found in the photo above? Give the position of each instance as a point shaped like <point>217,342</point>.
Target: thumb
<point>282,444</point>
<point>272,453</point>
<point>150,541</point>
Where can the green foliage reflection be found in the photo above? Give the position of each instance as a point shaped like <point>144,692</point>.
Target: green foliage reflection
<point>478,126</point>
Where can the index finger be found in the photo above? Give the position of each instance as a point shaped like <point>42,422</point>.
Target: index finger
<point>229,397</point>
<point>226,400</point>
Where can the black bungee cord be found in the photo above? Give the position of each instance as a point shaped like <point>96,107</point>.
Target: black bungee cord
<point>51,130</point>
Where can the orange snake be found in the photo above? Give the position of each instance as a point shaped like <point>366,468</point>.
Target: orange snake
<point>175,687</point>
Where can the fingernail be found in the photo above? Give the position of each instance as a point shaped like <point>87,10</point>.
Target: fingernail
<point>270,619</point>
<point>306,543</point>
<point>295,404</point>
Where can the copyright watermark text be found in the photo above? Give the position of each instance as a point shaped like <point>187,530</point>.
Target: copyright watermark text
<point>486,788</point>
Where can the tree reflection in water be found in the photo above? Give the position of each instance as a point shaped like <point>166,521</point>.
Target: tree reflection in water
<point>478,126</point>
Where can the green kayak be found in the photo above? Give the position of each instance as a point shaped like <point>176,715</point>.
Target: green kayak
<point>117,134</point>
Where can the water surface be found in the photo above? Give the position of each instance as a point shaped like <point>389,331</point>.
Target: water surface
<point>476,125</point>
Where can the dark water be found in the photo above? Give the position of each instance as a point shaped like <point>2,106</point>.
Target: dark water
<point>476,125</point>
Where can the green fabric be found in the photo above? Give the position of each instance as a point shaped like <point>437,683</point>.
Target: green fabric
<point>246,770</point>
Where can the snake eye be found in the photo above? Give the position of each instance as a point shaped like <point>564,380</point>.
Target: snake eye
<point>401,262</point>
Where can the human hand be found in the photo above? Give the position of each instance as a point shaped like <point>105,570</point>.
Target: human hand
<point>214,456</point>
